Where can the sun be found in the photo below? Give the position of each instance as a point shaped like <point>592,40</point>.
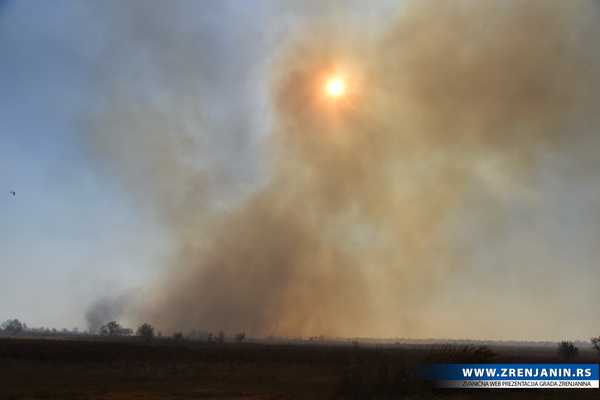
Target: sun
<point>335,87</point>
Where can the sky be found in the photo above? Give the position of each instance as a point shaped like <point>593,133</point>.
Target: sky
<point>181,163</point>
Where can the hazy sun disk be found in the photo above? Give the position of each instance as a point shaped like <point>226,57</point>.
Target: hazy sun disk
<point>335,87</point>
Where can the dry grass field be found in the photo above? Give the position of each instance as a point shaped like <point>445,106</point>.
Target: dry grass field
<point>168,369</point>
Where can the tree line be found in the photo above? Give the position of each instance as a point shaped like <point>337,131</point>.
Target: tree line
<point>566,349</point>
<point>147,331</point>
<point>113,328</point>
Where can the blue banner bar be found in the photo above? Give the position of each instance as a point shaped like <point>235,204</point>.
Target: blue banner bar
<point>512,372</point>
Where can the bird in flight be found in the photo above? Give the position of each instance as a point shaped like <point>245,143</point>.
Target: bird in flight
<point>13,193</point>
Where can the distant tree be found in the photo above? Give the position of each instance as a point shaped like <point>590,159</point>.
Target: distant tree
<point>596,343</point>
<point>220,337</point>
<point>13,326</point>
<point>210,337</point>
<point>239,337</point>
<point>146,331</point>
<point>113,328</point>
<point>178,335</point>
<point>567,350</point>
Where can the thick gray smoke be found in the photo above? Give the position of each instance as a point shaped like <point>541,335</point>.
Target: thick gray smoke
<point>385,212</point>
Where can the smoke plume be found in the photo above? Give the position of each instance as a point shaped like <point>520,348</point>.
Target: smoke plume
<point>355,216</point>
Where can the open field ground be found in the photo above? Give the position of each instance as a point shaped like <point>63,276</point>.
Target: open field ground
<point>168,369</point>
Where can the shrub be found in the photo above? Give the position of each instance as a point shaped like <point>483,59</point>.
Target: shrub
<point>596,343</point>
<point>239,337</point>
<point>113,328</point>
<point>460,354</point>
<point>567,350</point>
<point>146,331</point>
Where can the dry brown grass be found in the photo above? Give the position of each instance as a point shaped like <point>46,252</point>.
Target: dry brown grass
<point>115,370</point>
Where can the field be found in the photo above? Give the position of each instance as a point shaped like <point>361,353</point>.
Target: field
<point>129,368</point>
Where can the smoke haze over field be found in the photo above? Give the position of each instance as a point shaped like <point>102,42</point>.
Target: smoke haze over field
<point>451,192</point>
<point>368,207</point>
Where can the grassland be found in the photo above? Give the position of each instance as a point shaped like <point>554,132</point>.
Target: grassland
<point>167,369</point>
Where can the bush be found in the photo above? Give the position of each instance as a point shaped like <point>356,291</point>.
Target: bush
<point>460,354</point>
<point>113,328</point>
<point>239,337</point>
<point>596,343</point>
<point>146,331</point>
<point>567,350</point>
